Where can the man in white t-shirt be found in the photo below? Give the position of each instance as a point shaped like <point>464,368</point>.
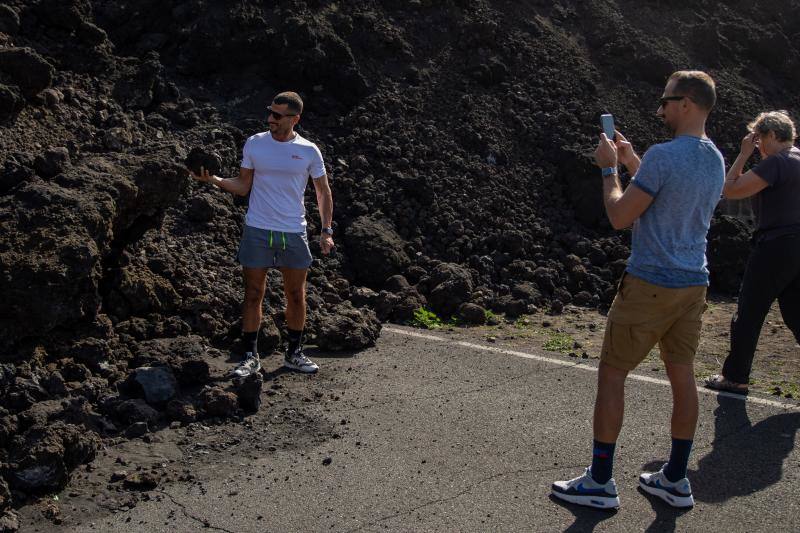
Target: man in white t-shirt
<point>275,169</point>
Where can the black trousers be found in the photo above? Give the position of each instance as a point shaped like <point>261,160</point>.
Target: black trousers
<point>773,271</point>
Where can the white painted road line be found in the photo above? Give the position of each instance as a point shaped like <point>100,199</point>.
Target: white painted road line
<point>585,366</point>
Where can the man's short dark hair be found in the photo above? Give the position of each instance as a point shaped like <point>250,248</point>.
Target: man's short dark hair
<point>697,85</point>
<point>291,99</point>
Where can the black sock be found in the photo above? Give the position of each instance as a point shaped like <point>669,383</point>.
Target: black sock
<point>250,341</point>
<point>602,461</point>
<point>295,340</point>
<point>678,459</point>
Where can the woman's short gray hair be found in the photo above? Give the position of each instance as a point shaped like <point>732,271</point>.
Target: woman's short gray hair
<point>776,121</point>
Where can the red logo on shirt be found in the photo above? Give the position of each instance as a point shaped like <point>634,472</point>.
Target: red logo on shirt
<point>295,156</point>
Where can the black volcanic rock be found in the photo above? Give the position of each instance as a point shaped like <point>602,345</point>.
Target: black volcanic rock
<point>347,328</point>
<point>472,314</point>
<point>248,391</point>
<point>378,249</point>
<point>9,20</point>
<point>11,102</point>
<point>52,162</point>
<point>728,246</point>
<point>27,69</point>
<point>44,456</point>
<point>452,286</point>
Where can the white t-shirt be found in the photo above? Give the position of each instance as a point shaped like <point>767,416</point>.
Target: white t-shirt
<point>281,174</point>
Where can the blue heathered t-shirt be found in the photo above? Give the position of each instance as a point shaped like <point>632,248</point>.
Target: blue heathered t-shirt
<point>685,177</point>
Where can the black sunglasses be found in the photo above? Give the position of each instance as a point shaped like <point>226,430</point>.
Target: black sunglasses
<point>278,116</point>
<point>664,99</point>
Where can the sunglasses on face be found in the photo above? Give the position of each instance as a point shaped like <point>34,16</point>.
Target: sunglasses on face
<point>278,116</point>
<point>664,100</point>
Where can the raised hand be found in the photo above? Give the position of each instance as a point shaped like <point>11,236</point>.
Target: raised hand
<point>625,153</point>
<point>204,176</point>
<point>749,143</point>
<point>605,155</point>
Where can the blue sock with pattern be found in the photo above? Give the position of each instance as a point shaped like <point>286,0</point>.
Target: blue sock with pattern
<point>602,461</point>
<point>678,459</point>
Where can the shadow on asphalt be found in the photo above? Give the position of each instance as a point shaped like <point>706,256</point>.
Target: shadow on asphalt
<point>586,518</point>
<point>744,458</point>
<point>313,352</point>
<point>666,516</point>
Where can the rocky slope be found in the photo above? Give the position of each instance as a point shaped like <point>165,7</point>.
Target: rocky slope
<point>457,135</point>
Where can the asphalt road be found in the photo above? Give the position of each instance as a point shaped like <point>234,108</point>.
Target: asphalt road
<point>442,436</point>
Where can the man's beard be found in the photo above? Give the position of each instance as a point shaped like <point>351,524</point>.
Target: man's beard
<point>670,128</point>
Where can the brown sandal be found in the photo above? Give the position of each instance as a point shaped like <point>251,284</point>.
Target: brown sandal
<point>720,382</point>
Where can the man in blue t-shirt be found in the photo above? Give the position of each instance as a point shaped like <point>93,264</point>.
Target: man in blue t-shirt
<point>661,296</point>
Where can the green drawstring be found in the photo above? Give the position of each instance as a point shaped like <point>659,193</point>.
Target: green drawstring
<point>283,239</point>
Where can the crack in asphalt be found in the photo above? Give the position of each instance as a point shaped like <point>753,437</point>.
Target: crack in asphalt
<point>206,524</point>
<point>459,494</point>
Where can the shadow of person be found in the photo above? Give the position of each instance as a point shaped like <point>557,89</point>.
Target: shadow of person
<point>586,518</point>
<point>315,352</point>
<point>666,516</point>
<point>744,458</point>
<point>271,375</point>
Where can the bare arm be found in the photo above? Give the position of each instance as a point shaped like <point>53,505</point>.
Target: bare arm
<point>623,208</point>
<point>325,202</point>
<point>738,186</point>
<point>239,186</point>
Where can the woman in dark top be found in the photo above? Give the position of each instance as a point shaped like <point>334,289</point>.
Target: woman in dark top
<point>773,269</point>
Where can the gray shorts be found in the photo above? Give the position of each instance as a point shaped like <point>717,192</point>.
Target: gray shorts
<point>263,248</point>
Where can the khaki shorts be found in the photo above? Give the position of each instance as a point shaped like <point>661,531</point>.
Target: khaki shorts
<point>644,314</point>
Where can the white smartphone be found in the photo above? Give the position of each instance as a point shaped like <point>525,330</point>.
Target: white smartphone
<point>607,121</point>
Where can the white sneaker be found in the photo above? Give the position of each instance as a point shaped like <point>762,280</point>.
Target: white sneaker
<point>677,494</point>
<point>300,362</point>
<point>250,364</point>
<point>584,490</point>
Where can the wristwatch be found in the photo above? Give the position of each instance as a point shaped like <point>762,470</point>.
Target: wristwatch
<point>327,231</point>
<point>607,171</point>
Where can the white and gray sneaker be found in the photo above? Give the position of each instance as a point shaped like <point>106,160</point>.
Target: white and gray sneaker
<point>677,494</point>
<point>584,490</point>
<point>250,364</point>
<point>297,360</point>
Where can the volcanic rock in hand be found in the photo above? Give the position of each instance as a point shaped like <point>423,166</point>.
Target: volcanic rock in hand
<point>208,159</point>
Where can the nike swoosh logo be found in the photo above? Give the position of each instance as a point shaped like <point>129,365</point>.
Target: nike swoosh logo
<point>581,488</point>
